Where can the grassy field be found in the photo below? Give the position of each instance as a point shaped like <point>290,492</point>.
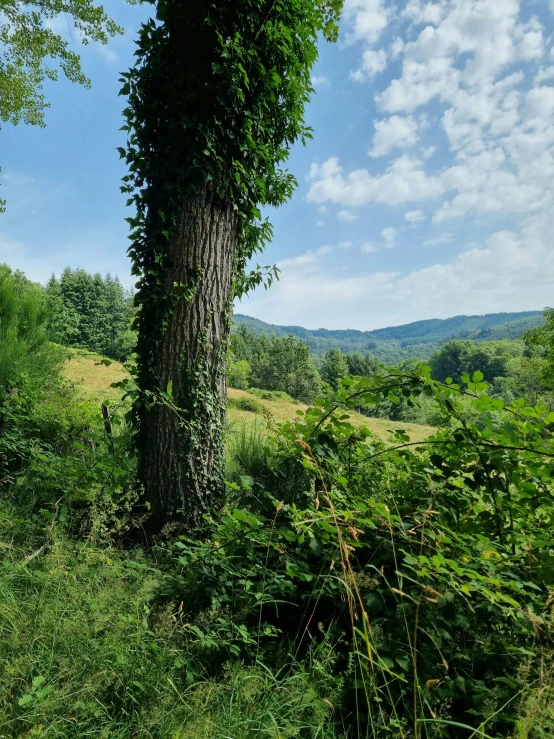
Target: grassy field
<point>93,381</point>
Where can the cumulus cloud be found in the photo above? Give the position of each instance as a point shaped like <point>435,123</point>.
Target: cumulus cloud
<point>476,61</point>
<point>414,216</point>
<point>389,242</point>
<point>345,215</point>
<point>481,75</point>
<point>373,62</point>
<point>392,133</point>
<point>404,181</point>
<point>366,20</point>
<point>321,81</point>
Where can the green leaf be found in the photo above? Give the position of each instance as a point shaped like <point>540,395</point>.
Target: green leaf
<point>478,376</point>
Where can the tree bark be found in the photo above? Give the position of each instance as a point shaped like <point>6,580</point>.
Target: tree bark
<point>181,455</point>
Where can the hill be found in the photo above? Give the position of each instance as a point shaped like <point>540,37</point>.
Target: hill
<point>93,382</point>
<point>418,339</point>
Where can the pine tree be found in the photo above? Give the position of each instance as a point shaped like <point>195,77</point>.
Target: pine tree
<point>333,368</point>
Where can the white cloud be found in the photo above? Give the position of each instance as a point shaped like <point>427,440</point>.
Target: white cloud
<point>544,74</point>
<point>428,152</point>
<point>522,263</point>
<point>321,81</point>
<point>308,259</point>
<point>345,215</point>
<point>414,216</point>
<point>373,62</point>
<point>389,242</point>
<point>440,240</point>
<point>405,181</point>
<point>479,71</point>
<point>109,55</point>
<point>392,133</point>
<point>345,244</point>
<point>365,20</point>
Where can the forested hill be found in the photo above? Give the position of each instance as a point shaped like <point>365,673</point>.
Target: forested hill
<point>420,338</point>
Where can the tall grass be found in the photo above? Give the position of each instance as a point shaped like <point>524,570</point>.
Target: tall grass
<point>245,454</point>
<point>85,652</point>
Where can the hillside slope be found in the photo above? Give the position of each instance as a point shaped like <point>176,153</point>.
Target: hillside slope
<point>93,381</point>
<point>419,339</point>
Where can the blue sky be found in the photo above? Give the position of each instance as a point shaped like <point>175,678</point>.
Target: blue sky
<point>427,190</point>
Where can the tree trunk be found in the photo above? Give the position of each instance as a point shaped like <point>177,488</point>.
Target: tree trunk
<point>181,456</point>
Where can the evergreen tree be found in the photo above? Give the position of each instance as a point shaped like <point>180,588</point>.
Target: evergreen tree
<point>333,368</point>
<point>91,312</point>
<point>361,365</point>
<point>63,321</point>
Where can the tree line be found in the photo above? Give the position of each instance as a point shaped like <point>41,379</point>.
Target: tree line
<point>92,312</point>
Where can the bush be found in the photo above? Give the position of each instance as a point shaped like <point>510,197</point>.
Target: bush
<point>245,453</point>
<point>275,395</point>
<point>238,374</point>
<point>428,570</point>
<point>246,404</point>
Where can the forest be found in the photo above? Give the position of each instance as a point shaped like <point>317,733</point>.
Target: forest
<point>180,561</point>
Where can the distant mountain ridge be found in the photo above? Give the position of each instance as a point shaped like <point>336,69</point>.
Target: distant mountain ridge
<point>420,338</point>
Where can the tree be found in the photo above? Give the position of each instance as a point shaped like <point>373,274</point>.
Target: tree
<point>215,102</point>
<point>451,360</point>
<point>63,320</point>
<point>289,368</point>
<point>91,311</point>
<point>333,368</point>
<point>542,339</point>
<point>26,353</point>
<point>30,49</point>
<point>362,365</point>
<point>238,374</point>
<point>492,358</point>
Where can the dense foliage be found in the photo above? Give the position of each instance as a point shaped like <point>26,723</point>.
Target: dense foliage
<point>26,355</point>
<point>274,363</point>
<point>91,311</point>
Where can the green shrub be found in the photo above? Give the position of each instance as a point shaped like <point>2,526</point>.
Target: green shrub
<point>428,569</point>
<point>275,395</point>
<point>246,404</point>
<point>245,452</point>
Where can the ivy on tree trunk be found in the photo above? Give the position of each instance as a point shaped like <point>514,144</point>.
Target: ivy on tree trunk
<point>182,446</point>
<point>216,100</point>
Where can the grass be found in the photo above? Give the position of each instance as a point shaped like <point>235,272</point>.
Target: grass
<point>93,381</point>
<point>86,652</point>
<point>282,409</point>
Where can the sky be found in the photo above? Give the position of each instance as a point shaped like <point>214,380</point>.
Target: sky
<point>426,192</point>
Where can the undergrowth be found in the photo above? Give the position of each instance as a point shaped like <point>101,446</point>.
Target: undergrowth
<point>348,588</point>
